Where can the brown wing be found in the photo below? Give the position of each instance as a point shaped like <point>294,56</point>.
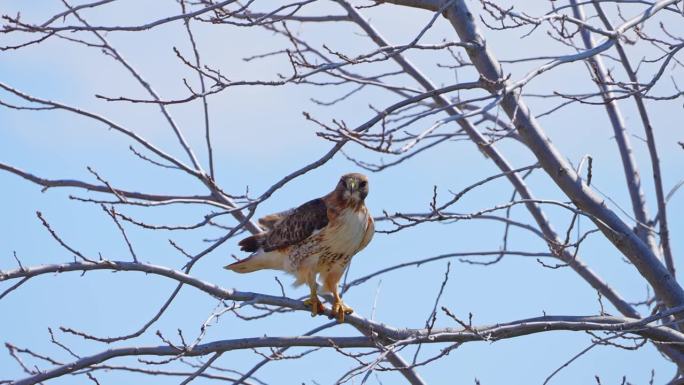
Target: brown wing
<point>298,225</point>
<point>269,221</point>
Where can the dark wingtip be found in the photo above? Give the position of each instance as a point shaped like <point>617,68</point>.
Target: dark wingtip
<point>250,244</point>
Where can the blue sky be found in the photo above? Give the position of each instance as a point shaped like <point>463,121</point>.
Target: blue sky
<point>259,135</point>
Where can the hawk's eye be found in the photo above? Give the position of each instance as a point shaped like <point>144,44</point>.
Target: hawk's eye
<point>363,184</point>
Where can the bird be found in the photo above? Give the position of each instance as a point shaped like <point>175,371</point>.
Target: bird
<point>318,238</point>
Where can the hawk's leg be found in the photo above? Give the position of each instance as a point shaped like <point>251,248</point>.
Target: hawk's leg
<point>339,309</point>
<point>331,279</point>
<point>314,302</point>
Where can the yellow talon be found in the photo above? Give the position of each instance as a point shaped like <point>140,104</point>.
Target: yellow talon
<point>316,309</point>
<point>339,309</point>
<point>315,304</point>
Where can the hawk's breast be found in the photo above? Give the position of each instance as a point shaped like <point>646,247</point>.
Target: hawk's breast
<point>346,232</point>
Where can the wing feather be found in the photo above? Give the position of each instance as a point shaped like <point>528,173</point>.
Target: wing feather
<point>268,222</point>
<point>297,225</point>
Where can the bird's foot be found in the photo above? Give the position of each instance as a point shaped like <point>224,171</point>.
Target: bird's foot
<point>315,304</point>
<point>339,309</point>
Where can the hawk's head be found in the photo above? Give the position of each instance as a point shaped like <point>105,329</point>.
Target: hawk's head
<point>353,186</point>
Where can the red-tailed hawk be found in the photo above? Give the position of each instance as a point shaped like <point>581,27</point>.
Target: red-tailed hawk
<point>316,238</point>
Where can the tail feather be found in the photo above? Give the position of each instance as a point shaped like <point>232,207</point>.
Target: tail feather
<point>258,261</point>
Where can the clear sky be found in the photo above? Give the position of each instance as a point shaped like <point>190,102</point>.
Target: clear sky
<point>259,135</point>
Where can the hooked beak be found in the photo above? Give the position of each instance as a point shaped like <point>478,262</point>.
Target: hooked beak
<point>352,185</point>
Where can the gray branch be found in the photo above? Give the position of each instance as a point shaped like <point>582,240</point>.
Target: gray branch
<point>380,332</point>
<point>555,165</point>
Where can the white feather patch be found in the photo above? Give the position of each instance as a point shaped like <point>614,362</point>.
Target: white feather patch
<point>346,234</point>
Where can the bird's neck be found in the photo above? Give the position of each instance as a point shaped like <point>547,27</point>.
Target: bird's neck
<point>338,201</point>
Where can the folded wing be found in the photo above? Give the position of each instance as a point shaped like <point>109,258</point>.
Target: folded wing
<point>298,225</point>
